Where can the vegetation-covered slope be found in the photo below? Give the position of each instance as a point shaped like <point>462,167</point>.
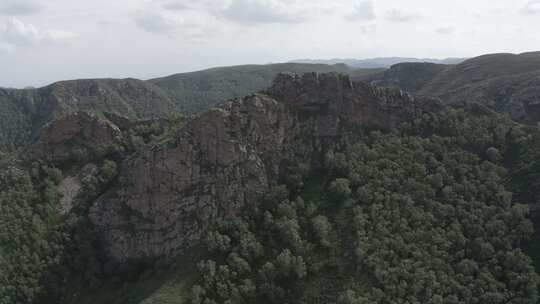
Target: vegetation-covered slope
<point>425,214</point>
<point>24,112</point>
<point>410,77</point>
<point>507,83</point>
<point>419,211</point>
<point>403,219</point>
<point>197,91</point>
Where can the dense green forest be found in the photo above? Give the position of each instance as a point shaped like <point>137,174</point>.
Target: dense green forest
<point>442,209</point>
<point>389,219</point>
<point>47,252</point>
<point>434,212</point>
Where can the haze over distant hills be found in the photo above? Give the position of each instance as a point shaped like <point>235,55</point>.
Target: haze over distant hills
<point>379,62</point>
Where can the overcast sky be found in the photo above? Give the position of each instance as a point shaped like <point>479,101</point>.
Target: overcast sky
<point>42,41</point>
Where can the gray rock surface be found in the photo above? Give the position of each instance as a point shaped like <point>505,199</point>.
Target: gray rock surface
<point>226,157</point>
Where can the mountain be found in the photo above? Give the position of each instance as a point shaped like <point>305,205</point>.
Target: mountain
<point>504,82</point>
<point>228,155</point>
<point>316,189</point>
<point>197,91</point>
<point>380,62</point>
<point>24,112</point>
<point>508,83</point>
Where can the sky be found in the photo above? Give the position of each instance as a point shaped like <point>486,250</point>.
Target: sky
<point>42,41</point>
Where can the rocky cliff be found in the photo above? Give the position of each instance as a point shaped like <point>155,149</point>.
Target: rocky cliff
<point>25,111</point>
<point>68,137</point>
<point>225,157</point>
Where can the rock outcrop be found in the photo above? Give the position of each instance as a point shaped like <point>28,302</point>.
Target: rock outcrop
<point>223,159</point>
<point>72,132</point>
<point>218,162</point>
<point>345,102</point>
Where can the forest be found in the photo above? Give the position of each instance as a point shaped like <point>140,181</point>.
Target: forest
<point>433,212</point>
<point>394,218</point>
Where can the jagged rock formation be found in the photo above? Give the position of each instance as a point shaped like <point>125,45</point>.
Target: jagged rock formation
<point>226,157</point>
<point>24,112</point>
<point>346,102</point>
<point>58,140</point>
<point>70,186</point>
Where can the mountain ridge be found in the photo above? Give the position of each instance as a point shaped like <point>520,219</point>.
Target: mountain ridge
<point>127,206</point>
<point>223,158</point>
<point>505,82</point>
<point>381,62</point>
<point>25,111</point>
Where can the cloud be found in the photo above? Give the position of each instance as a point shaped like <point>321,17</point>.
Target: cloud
<point>6,48</point>
<point>176,6</point>
<point>445,30</point>
<point>363,11</point>
<point>367,29</point>
<point>19,34</point>
<point>191,25</point>
<point>531,8</point>
<point>20,7</point>
<point>242,12</point>
<point>397,15</point>
<point>183,5</point>
<point>156,22</point>
<point>263,11</point>
<point>104,23</point>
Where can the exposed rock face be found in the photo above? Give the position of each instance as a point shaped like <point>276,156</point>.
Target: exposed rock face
<point>216,165</point>
<point>343,101</point>
<point>227,156</point>
<point>57,140</point>
<point>70,186</point>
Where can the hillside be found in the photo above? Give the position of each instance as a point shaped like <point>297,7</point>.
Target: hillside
<point>293,188</point>
<point>507,83</point>
<point>24,112</point>
<point>317,189</point>
<point>197,91</point>
<point>411,77</point>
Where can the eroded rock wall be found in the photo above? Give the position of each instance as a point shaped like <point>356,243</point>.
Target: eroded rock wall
<point>223,159</point>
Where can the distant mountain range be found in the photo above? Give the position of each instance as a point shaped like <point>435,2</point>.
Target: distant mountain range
<point>508,83</point>
<point>284,183</point>
<point>504,82</point>
<point>379,62</point>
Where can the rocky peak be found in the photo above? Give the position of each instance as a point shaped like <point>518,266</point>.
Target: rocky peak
<point>336,95</point>
<point>311,88</point>
<point>220,161</point>
<point>224,158</point>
